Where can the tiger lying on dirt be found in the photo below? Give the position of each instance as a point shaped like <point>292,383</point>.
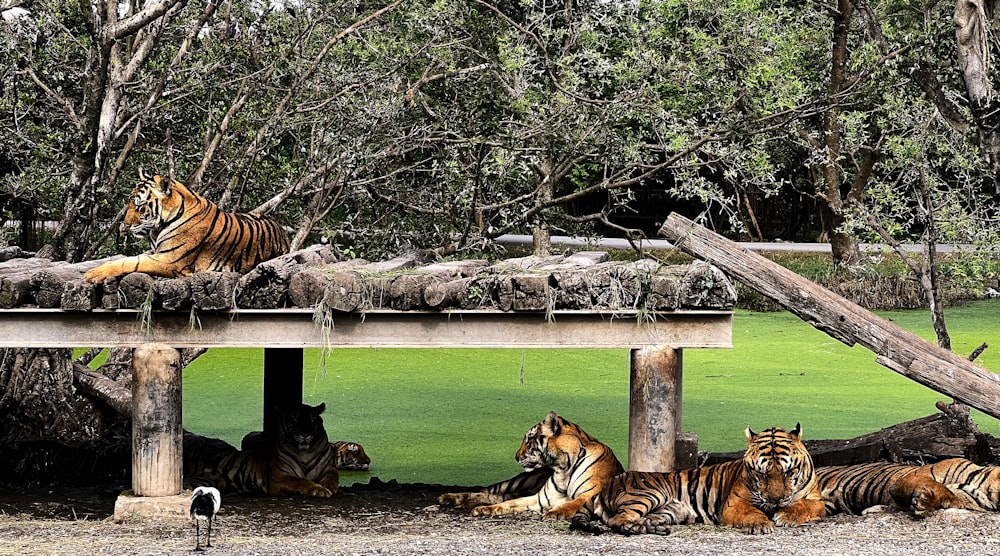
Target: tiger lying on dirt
<point>564,468</point>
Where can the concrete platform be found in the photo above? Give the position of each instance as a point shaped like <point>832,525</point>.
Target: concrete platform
<point>130,508</point>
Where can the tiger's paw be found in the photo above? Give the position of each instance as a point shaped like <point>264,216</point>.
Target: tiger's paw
<point>649,525</point>
<point>97,275</point>
<point>756,526</point>
<point>799,513</point>
<point>936,496</point>
<point>467,500</point>
<point>495,509</point>
<point>318,491</point>
<point>559,513</point>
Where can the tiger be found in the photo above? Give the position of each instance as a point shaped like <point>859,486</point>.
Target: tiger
<point>564,468</point>
<point>919,489</point>
<point>978,486</point>
<point>300,461</point>
<point>350,456</point>
<point>775,480</point>
<point>189,234</point>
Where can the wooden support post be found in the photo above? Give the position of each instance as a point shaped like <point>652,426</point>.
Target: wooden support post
<point>157,434</point>
<point>282,382</point>
<point>654,408</point>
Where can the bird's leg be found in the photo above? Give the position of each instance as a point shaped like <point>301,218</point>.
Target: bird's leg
<point>209,542</point>
<point>197,536</point>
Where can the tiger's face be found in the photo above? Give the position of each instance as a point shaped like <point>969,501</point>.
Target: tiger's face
<point>778,467</point>
<point>351,456</point>
<point>302,427</point>
<point>147,206</point>
<point>550,443</point>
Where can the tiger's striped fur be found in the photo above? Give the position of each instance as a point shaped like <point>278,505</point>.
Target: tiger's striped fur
<point>977,486</point>
<point>564,468</point>
<point>189,234</point>
<point>855,488</point>
<point>300,461</point>
<point>350,456</point>
<point>519,486</point>
<point>775,479</point>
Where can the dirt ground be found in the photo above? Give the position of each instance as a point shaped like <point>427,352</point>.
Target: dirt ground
<point>405,520</point>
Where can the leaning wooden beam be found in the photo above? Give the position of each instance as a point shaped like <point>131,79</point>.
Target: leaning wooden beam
<point>897,349</point>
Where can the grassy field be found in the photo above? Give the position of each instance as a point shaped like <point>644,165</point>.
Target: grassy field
<point>457,416</point>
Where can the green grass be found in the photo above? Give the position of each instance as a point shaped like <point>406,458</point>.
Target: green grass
<point>456,416</point>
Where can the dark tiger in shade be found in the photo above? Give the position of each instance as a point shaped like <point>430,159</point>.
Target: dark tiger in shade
<point>564,468</point>
<point>774,484</point>
<point>300,461</point>
<point>188,234</point>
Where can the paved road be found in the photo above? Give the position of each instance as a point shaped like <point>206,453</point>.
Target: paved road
<point>618,243</point>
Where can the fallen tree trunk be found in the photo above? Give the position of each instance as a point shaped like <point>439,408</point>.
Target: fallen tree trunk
<point>897,349</point>
<point>949,434</point>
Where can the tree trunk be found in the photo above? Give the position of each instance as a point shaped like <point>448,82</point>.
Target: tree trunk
<point>112,63</point>
<point>49,431</point>
<point>949,434</point>
<point>972,30</point>
<point>843,243</point>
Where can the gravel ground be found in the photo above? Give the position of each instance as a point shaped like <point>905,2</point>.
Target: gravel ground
<point>405,520</point>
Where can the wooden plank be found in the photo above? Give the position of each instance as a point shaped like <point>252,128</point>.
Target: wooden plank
<point>897,349</point>
<point>296,328</point>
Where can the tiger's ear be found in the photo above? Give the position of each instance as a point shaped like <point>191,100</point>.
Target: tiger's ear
<point>797,431</point>
<point>551,423</point>
<point>320,408</point>
<point>143,176</point>
<point>750,435</point>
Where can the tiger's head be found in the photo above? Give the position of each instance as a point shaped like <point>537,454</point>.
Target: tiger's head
<point>300,428</point>
<point>777,467</point>
<point>151,204</point>
<point>551,443</point>
<point>351,456</point>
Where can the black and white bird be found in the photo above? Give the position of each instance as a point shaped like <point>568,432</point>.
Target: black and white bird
<point>205,502</point>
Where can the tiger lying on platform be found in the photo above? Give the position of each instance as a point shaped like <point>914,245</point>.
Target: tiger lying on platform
<point>565,467</point>
<point>189,234</point>
<point>775,479</point>
<point>301,461</point>
<point>951,483</point>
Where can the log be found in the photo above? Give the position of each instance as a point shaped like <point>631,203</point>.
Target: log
<point>266,286</point>
<point>948,434</point>
<point>78,295</point>
<point>306,288</point>
<point>345,292</point>
<point>897,349</point>
<point>136,290</point>
<point>14,292</point>
<point>448,293</point>
<point>531,292</point>
<point>14,252</point>
<point>174,293</point>
<point>406,292</point>
<point>157,436</point>
<point>103,388</point>
<point>214,291</point>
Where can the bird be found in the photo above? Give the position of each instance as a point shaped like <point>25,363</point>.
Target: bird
<point>205,502</point>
